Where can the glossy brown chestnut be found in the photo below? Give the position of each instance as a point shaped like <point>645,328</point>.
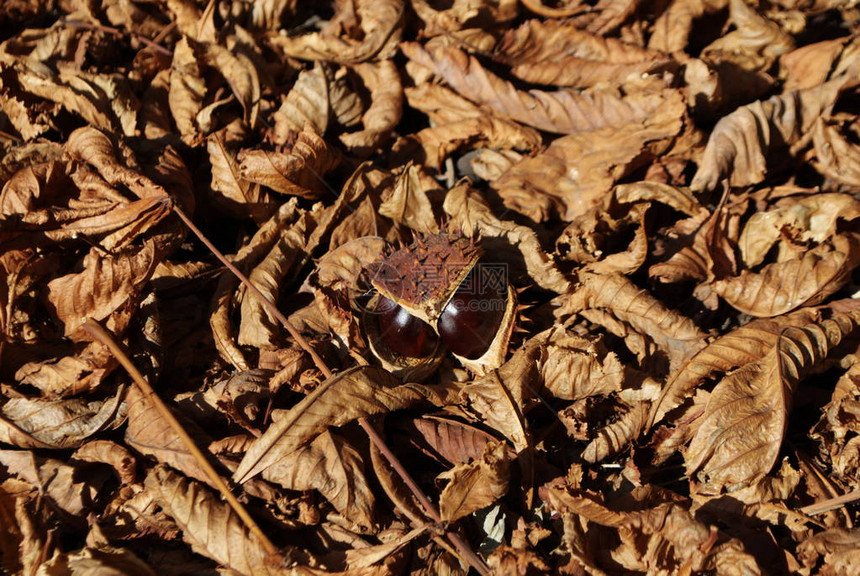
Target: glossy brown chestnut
<point>403,333</point>
<point>472,317</point>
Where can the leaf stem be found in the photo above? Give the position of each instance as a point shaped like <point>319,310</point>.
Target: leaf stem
<point>105,338</point>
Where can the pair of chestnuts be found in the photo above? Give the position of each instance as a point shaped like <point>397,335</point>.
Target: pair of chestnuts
<point>434,295</point>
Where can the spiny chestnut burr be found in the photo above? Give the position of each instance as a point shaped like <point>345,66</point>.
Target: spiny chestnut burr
<point>435,286</point>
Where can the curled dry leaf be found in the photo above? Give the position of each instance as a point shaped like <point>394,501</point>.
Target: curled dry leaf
<point>347,396</point>
<point>306,104</point>
<point>804,219</point>
<point>187,90</point>
<point>754,44</point>
<point>813,64</point>
<point>256,249</point>
<point>675,536</point>
<point>501,398</point>
<point>673,28</point>
<point>835,549</point>
<point>744,345</point>
<point>299,173</point>
<point>475,485</point>
<point>107,284</point>
<point>744,146</point>
<point>258,327</point>
<point>471,214</point>
<point>746,417</point>
<point>236,194</point>
<point>386,108</point>
<point>574,368</point>
<point>836,152</point>
<point>784,286</point>
<point>639,314</point>
<point>379,25</point>
<point>63,423</point>
<point>408,205</point>
<point>68,486</point>
<point>235,61</point>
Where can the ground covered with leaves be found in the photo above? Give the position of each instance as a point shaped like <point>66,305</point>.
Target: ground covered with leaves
<point>667,188</point>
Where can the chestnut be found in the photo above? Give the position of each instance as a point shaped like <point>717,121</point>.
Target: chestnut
<point>471,318</point>
<point>403,333</point>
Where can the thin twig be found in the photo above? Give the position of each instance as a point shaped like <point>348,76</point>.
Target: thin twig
<point>105,338</point>
<point>118,32</point>
<point>466,553</point>
<point>831,503</point>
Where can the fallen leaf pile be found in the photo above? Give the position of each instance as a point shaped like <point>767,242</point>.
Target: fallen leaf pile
<point>671,188</point>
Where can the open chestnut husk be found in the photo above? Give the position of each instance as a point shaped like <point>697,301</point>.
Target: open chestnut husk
<point>435,295</point>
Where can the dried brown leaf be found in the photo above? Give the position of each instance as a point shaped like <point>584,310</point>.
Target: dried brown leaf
<point>361,222</point>
<point>299,173</point>
<point>210,526</point>
<point>66,423</point>
<point>187,90</point>
<point>500,398</point>
<point>562,111</point>
<point>475,485</point>
<point>114,162</point>
<point>97,561</point>
<point>754,44</point>
<point>803,219</point>
<point>673,28</point>
<point>518,245</point>
<point>382,80</point>
<point>256,249</point>
<point>333,466</point>
<point>574,368</point>
<point>346,396</point>
<point>306,104</point>
<point>408,205</point>
<point>835,550</point>
<point>379,26</point>
<point>674,537</point>
<point>744,145</point>
<point>110,453</point>
<point>453,441</point>
<point>673,333</point>
<point>811,65</point>
<point>437,143</point>
<point>150,433</point>
<point>107,284</point>
<point>66,485</point>
<point>616,436</point>
<point>574,173</point>
<point>235,60</point>
<point>746,417</point>
<point>560,54</point>
<point>258,327</point>
<point>785,286</point>
<point>837,154</point>
<point>237,195</point>
<point>744,345</point>
<point>83,370</point>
